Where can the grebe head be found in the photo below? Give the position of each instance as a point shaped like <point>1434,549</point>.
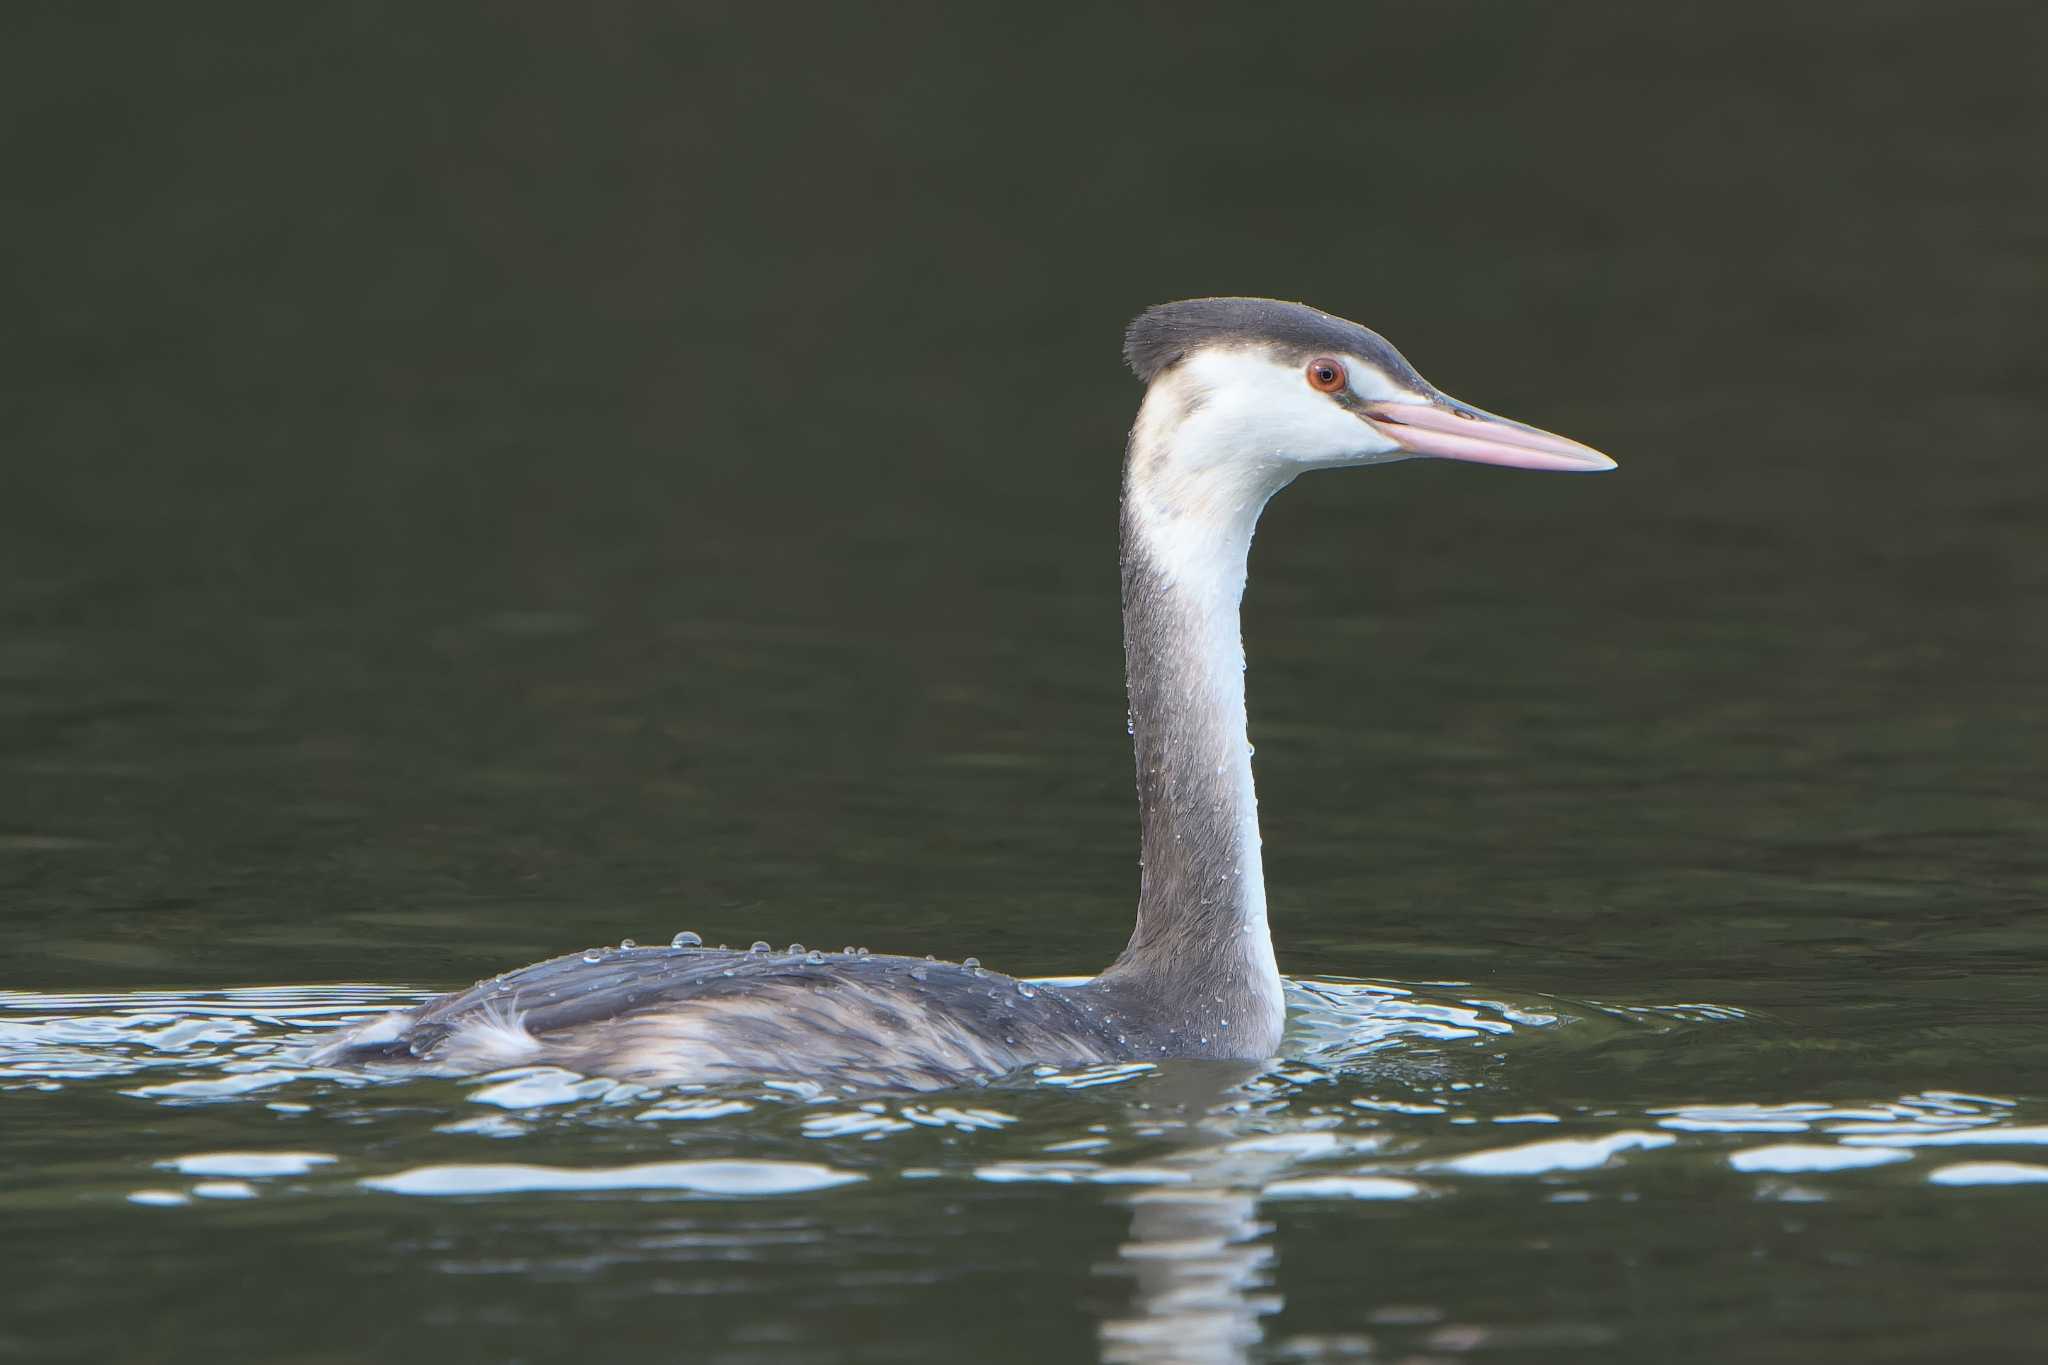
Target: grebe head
<point>1246,393</point>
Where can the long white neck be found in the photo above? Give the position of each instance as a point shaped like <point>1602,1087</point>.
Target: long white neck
<point>1202,955</point>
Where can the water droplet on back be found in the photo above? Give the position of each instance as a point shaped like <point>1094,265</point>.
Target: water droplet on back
<point>760,946</point>
<point>687,939</point>
<point>593,956</point>
<point>626,943</point>
<point>814,957</point>
<point>796,950</point>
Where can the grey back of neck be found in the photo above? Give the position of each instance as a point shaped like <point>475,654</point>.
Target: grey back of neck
<point>1199,967</point>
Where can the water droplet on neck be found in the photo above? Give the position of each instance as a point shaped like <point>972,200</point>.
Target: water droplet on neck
<point>760,946</point>
<point>814,957</point>
<point>972,964</point>
<point>1026,991</point>
<point>920,974</point>
<point>593,956</point>
<point>687,939</point>
<point>626,943</point>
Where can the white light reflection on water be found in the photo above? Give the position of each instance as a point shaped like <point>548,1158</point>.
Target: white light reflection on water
<point>47,1039</point>
<point>1802,1158</point>
<point>1990,1173</point>
<point>247,1163</point>
<point>744,1179</point>
<point>1559,1154</point>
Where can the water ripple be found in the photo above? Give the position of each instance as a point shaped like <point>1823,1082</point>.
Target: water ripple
<point>1385,1091</point>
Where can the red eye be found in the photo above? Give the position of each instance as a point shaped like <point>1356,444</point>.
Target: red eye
<point>1326,374</point>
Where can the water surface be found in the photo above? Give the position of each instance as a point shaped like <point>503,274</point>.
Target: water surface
<point>474,491</point>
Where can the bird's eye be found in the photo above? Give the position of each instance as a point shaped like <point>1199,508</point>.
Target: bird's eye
<point>1326,375</point>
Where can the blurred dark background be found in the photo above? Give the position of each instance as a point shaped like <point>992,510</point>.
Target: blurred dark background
<point>477,483</point>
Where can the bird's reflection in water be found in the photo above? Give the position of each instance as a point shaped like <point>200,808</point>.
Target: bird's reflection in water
<point>1200,1269</point>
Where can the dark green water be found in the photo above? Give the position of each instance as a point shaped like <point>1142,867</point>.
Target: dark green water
<point>473,490</point>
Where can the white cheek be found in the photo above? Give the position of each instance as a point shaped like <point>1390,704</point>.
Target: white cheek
<point>1257,410</point>
<point>1312,429</point>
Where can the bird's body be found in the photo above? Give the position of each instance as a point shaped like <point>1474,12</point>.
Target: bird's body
<point>1243,395</point>
<point>693,1015</point>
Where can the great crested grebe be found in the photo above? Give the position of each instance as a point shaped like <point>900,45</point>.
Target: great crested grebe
<point>1242,395</point>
